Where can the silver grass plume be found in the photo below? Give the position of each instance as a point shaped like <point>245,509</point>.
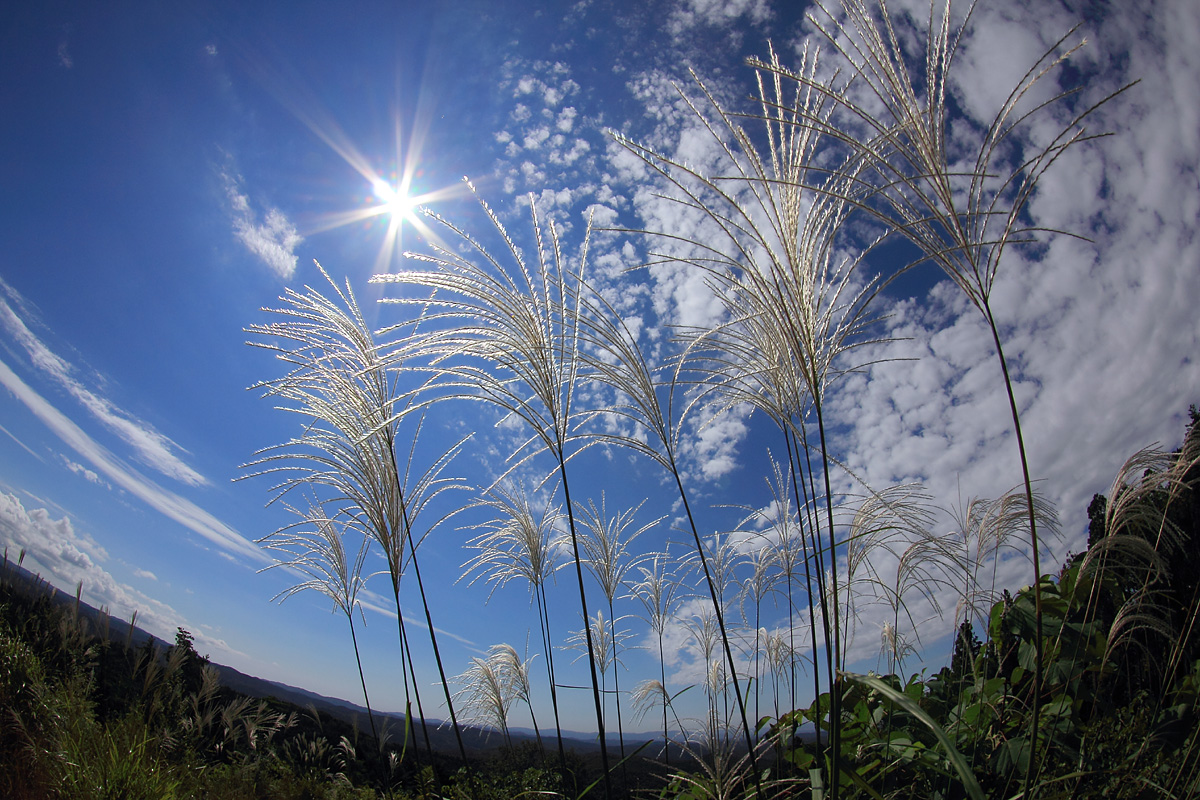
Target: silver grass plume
<point>961,217</point>
<point>506,333</point>
<point>793,307</point>
<point>606,541</point>
<point>518,543</point>
<point>656,592</point>
<point>896,520</point>
<point>318,554</point>
<point>349,396</point>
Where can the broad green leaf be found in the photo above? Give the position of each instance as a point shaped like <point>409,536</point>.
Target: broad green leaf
<point>970,784</point>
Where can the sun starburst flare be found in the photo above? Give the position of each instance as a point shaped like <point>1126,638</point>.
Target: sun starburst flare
<point>392,196</point>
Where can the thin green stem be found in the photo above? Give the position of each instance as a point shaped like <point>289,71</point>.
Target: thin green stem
<point>716,601</point>
<point>362,678</point>
<point>437,656</point>
<point>544,621</point>
<point>812,619</point>
<point>406,653</point>
<point>1031,773</point>
<point>835,704</point>
<point>587,628</point>
<point>662,671</point>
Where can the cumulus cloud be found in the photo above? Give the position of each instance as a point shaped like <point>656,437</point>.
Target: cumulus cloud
<point>54,548</point>
<point>273,239</point>
<point>534,139</point>
<point>1099,336</point>
<point>549,145</point>
<point>566,119</point>
<point>713,448</point>
<point>1089,328</point>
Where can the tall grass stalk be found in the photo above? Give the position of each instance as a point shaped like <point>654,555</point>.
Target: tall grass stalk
<point>648,694</point>
<point>613,357</point>
<point>507,336</point>
<point>656,591</point>
<point>756,588</point>
<point>486,694</point>
<point>780,521</point>
<point>412,501</point>
<point>319,554</point>
<point>984,530</point>
<point>517,544</point>
<point>605,639</point>
<point>896,521</point>
<point>339,380</point>
<point>961,217</point>
<point>1140,544</point>
<point>793,308</point>
<point>606,541</point>
<point>516,671</point>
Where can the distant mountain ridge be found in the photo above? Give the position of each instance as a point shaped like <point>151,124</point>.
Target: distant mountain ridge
<point>480,738</point>
<point>475,739</point>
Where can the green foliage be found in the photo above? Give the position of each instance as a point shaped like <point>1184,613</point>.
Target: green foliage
<point>88,717</point>
<point>120,761</point>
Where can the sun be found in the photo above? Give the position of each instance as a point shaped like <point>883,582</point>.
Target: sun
<point>396,195</point>
<point>397,204</point>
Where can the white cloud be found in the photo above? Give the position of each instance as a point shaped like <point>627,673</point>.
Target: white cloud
<point>173,506</point>
<point>70,558</point>
<point>534,138</point>
<point>151,447</point>
<point>1101,338</point>
<point>600,215</point>
<point>80,469</point>
<point>579,149</point>
<point>274,240</point>
<point>716,14</point>
<point>547,145</point>
<point>712,449</point>
<point>566,119</point>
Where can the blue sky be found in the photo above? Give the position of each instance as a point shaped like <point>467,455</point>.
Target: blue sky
<point>170,169</point>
